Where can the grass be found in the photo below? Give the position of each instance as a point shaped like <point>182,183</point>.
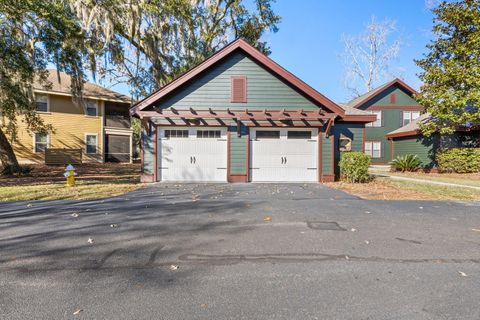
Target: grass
<point>94,181</point>
<point>386,189</point>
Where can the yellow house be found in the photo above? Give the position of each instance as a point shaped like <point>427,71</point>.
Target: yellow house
<point>101,127</point>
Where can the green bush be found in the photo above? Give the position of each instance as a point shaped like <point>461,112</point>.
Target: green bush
<point>460,160</point>
<point>9,170</point>
<point>408,162</point>
<point>354,166</point>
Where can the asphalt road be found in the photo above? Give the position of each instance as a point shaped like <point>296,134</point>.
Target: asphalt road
<point>240,251</point>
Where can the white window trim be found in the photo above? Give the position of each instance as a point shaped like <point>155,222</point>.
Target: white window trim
<point>371,124</point>
<point>96,109</point>
<point>48,103</point>
<point>85,141</point>
<point>35,143</point>
<point>371,150</point>
<point>411,116</point>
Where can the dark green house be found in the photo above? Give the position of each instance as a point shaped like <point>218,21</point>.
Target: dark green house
<point>395,107</point>
<point>240,117</point>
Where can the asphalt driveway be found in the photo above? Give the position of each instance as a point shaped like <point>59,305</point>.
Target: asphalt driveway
<point>239,251</point>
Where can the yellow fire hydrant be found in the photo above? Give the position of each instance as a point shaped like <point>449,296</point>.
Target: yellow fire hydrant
<point>70,175</point>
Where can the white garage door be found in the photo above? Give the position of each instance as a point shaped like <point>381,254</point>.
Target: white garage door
<point>284,155</point>
<point>192,154</point>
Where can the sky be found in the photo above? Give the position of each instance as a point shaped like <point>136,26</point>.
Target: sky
<point>309,40</point>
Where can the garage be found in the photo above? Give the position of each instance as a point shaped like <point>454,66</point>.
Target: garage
<point>284,155</point>
<point>192,154</point>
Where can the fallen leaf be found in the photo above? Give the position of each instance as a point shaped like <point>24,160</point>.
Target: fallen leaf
<point>346,257</point>
<point>477,230</point>
<point>113,225</point>
<point>267,219</point>
<point>420,208</point>
<point>367,212</point>
<point>353,229</point>
<point>75,215</point>
<point>29,205</point>
<point>203,305</point>
<point>463,274</point>
<point>77,312</point>
<point>367,242</point>
<point>90,240</point>
<point>174,267</point>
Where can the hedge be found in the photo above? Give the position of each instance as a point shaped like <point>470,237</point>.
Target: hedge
<point>354,166</point>
<point>459,160</point>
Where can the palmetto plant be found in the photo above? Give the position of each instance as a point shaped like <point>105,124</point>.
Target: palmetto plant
<point>409,162</point>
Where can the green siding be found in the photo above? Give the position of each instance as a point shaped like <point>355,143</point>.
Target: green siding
<point>421,146</point>
<point>148,150</point>
<point>327,165</point>
<point>212,89</point>
<point>392,118</point>
<point>238,150</point>
<point>353,131</point>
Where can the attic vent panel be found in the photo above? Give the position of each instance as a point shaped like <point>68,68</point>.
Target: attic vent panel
<point>393,98</point>
<point>239,89</point>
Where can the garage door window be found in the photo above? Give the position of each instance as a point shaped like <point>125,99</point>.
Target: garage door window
<point>268,134</point>
<point>176,133</point>
<point>209,133</point>
<point>299,135</point>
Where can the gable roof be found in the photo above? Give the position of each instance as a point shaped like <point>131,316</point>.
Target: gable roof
<point>357,102</point>
<point>61,84</point>
<point>258,57</point>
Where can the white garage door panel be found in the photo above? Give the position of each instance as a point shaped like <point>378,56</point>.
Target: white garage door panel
<point>192,159</point>
<point>283,159</point>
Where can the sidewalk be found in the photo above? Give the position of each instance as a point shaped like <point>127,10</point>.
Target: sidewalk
<point>440,183</point>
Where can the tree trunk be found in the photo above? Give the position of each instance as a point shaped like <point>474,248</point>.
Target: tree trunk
<point>7,156</point>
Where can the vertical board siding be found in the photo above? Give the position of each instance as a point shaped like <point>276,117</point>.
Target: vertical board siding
<point>238,151</point>
<point>353,131</point>
<point>213,88</point>
<point>148,151</point>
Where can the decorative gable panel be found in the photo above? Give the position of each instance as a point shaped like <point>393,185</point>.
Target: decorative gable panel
<point>238,89</point>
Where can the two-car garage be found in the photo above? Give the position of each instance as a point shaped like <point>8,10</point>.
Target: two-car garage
<point>200,154</point>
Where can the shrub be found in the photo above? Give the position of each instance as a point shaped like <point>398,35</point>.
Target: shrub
<point>408,162</point>
<point>9,170</point>
<point>459,160</point>
<point>354,166</point>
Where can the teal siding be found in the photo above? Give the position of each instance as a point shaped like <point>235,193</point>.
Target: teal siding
<point>148,150</point>
<point>212,89</point>
<point>353,131</point>
<point>392,118</point>
<point>238,151</point>
<point>327,165</point>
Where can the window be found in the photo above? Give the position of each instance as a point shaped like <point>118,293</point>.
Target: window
<point>377,123</point>
<point>209,133</point>
<point>373,149</point>
<point>176,134</point>
<point>91,108</point>
<point>41,142</point>
<point>91,144</point>
<point>41,102</point>
<point>266,134</point>
<point>238,89</point>
<point>299,135</point>
<point>409,116</point>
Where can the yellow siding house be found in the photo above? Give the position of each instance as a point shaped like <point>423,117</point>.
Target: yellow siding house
<point>100,127</point>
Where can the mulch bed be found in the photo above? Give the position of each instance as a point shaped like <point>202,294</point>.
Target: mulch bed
<point>101,172</point>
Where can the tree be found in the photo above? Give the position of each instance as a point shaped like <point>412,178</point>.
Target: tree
<point>451,68</point>
<point>33,34</point>
<point>368,56</point>
<point>148,43</point>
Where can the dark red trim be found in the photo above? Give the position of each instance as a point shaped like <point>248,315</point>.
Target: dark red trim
<point>403,134</point>
<point>328,178</point>
<point>378,91</point>
<point>407,108</point>
<point>359,118</point>
<point>256,55</point>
